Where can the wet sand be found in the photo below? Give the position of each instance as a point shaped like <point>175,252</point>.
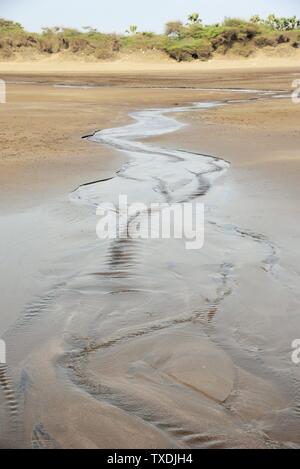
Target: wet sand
<point>191,351</point>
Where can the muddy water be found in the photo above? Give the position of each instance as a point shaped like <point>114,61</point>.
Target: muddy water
<point>143,343</point>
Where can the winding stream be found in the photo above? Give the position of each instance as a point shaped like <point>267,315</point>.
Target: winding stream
<point>138,318</point>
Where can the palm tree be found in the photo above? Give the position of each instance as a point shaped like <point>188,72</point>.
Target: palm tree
<point>194,18</point>
<point>132,29</point>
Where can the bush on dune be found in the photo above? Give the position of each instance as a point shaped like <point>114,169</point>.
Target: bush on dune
<point>235,22</point>
<point>189,48</point>
<point>8,26</point>
<point>173,28</point>
<point>143,41</point>
<point>13,38</point>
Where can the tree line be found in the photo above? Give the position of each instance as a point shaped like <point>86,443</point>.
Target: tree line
<point>187,40</point>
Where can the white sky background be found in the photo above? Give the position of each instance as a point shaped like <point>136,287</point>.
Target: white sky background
<point>149,15</point>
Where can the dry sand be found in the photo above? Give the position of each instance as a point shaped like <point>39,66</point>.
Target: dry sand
<point>42,126</point>
<point>221,379</point>
<point>283,56</point>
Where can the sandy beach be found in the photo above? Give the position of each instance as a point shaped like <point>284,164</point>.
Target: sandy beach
<point>147,345</point>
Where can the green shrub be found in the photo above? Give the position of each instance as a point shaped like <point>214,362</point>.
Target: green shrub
<point>193,30</point>
<point>173,28</point>
<point>203,49</point>
<point>140,41</point>
<point>179,50</point>
<point>188,49</point>
<point>234,22</point>
<point>10,26</point>
<point>226,38</point>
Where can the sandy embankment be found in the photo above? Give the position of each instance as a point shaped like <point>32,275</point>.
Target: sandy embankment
<point>176,373</point>
<point>282,57</point>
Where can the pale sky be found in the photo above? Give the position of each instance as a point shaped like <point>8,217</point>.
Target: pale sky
<point>149,15</point>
